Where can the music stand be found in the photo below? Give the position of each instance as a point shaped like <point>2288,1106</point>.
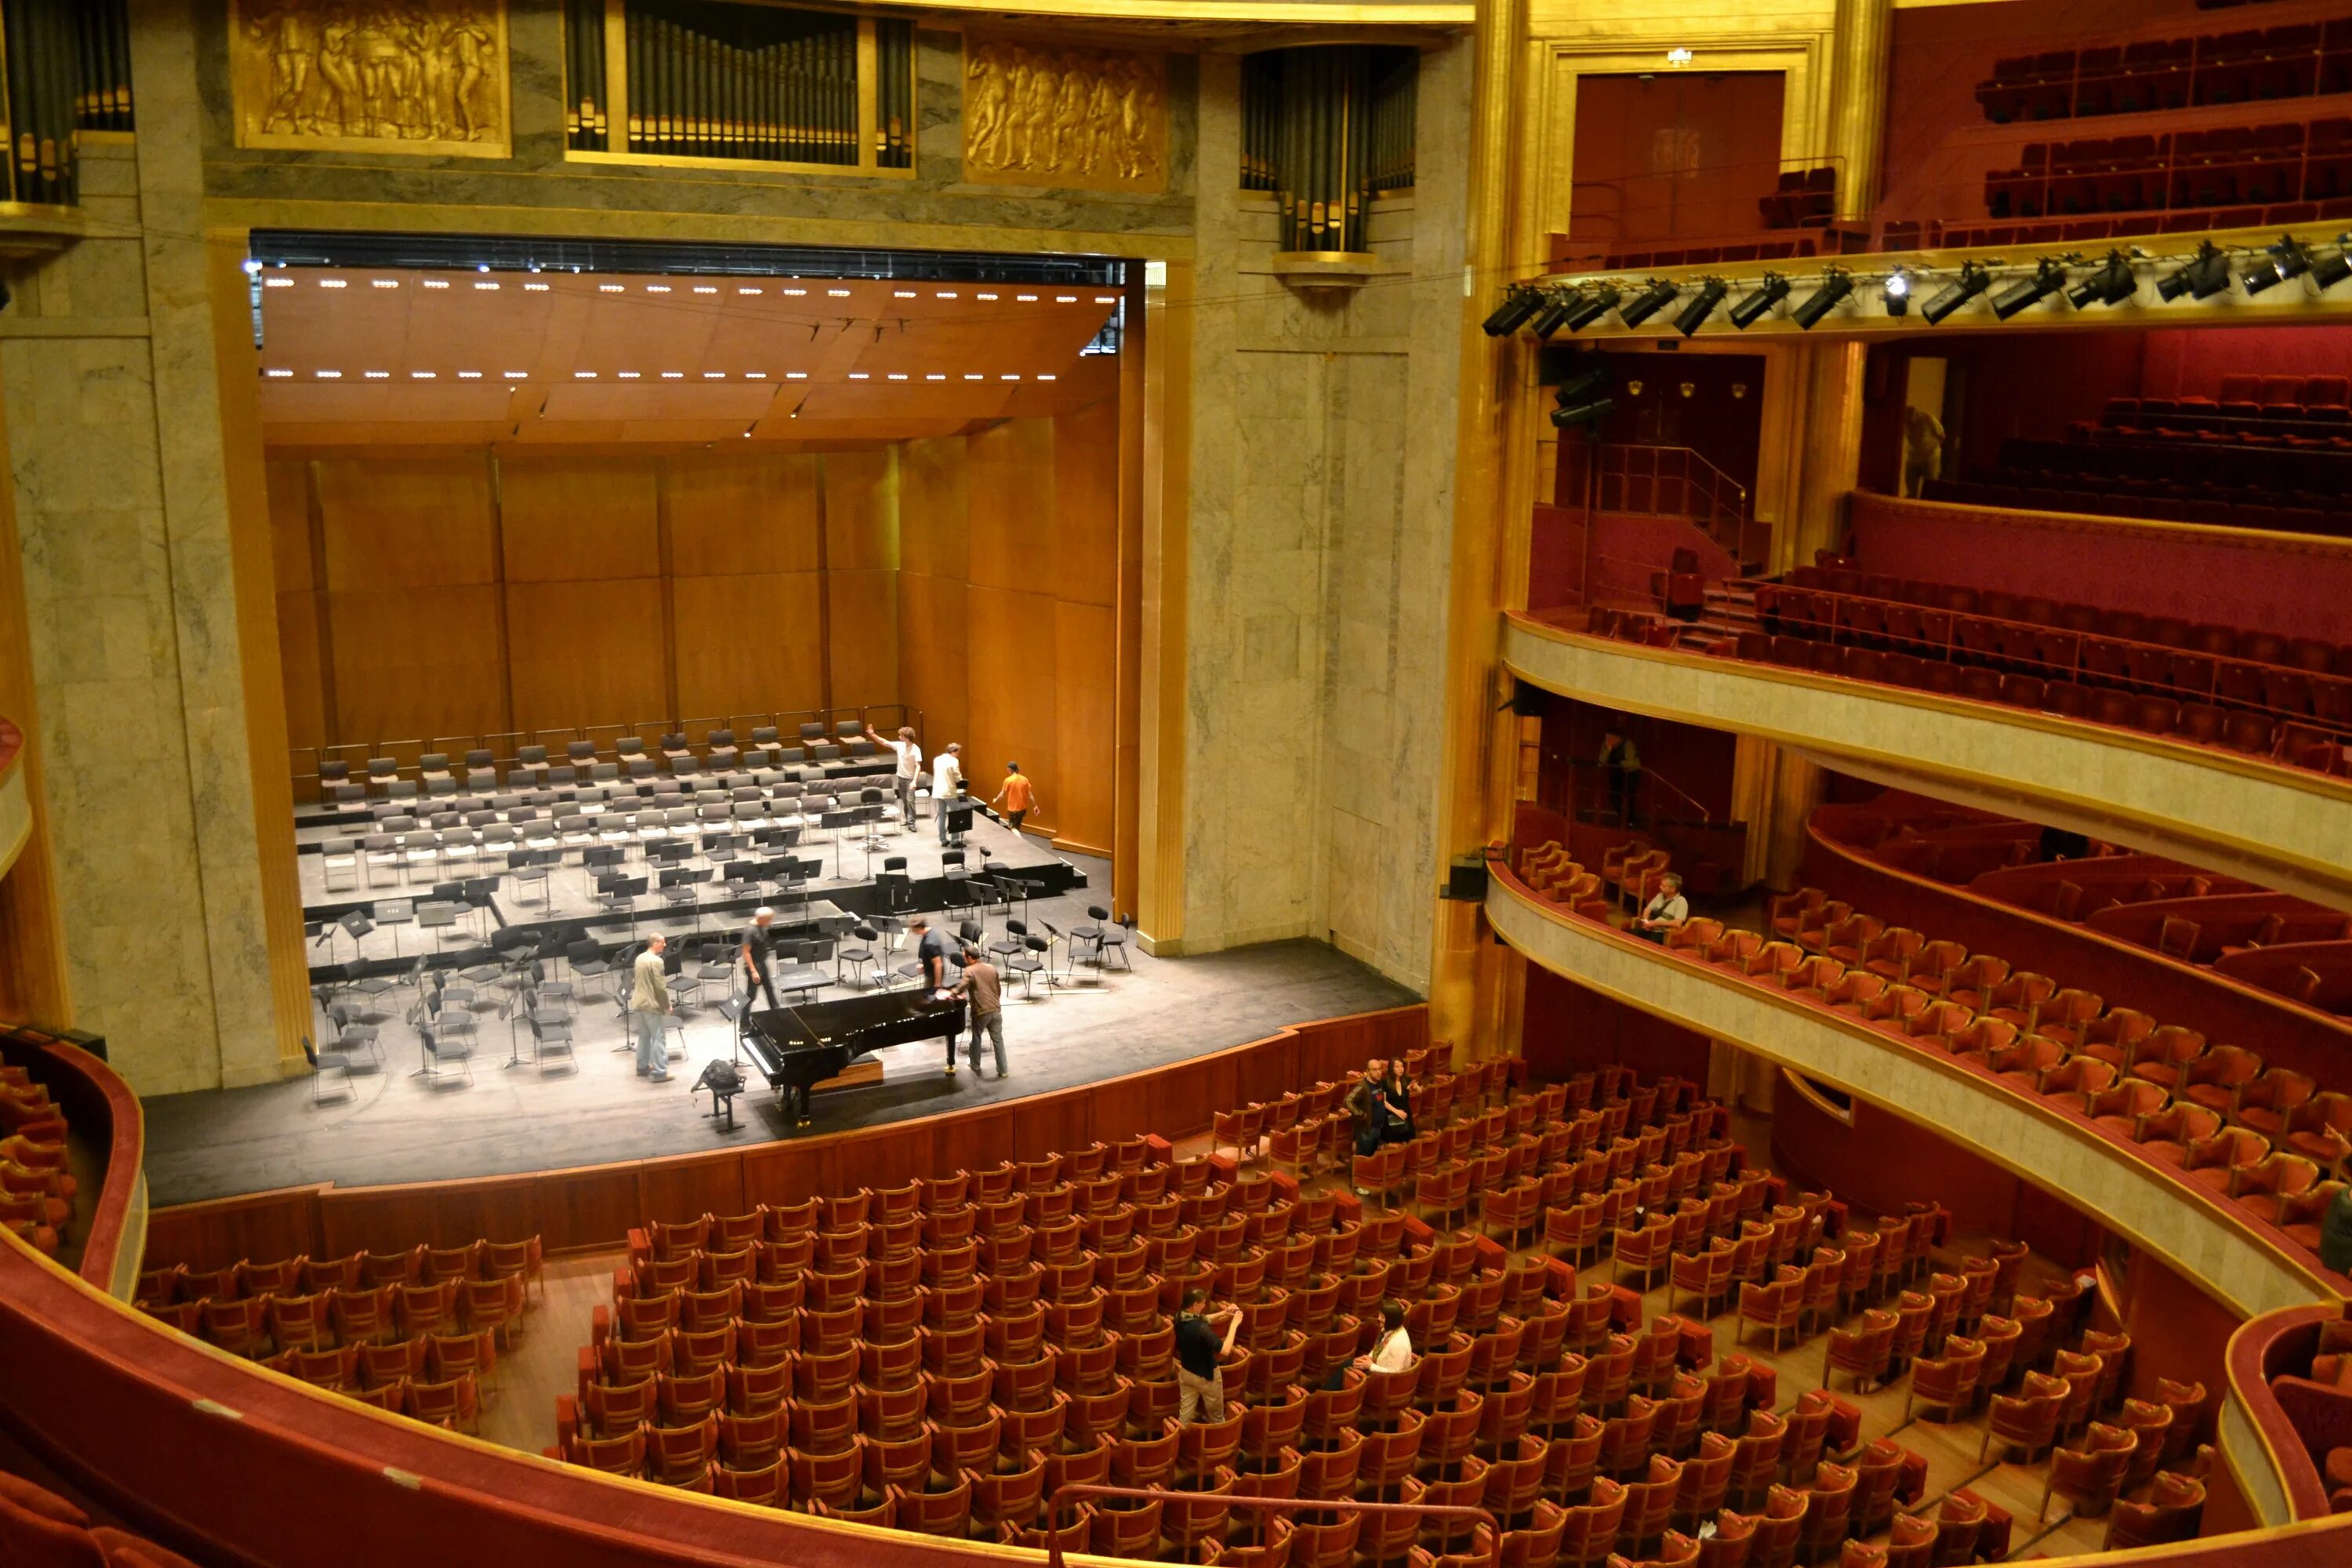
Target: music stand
<point>832,822</point>
<point>960,822</point>
<point>438,916</point>
<point>356,925</point>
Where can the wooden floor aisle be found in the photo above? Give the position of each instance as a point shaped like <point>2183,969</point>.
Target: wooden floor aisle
<point>521,1413</point>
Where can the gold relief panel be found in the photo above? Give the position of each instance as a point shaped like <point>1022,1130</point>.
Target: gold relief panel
<point>385,76</point>
<point>1092,120</point>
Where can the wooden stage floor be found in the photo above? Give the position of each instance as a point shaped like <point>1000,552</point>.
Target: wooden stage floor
<point>395,1127</point>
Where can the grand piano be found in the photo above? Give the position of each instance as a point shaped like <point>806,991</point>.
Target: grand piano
<point>799,1048</point>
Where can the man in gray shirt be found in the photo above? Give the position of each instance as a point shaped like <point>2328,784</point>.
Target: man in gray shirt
<point>984,988</point>
<point>648,1005</point>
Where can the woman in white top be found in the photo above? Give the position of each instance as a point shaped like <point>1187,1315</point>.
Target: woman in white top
<point>1394,1352</point>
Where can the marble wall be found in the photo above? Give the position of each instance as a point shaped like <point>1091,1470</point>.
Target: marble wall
<point>124,532</point>
<point>1322,516</point>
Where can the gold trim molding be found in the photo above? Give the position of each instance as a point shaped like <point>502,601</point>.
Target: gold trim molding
<point>428,79</point>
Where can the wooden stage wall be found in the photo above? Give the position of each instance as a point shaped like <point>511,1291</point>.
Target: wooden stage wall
<point>594,1206</point>
<point>447,593</point>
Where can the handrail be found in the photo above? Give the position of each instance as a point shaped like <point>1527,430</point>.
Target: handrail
<point>1075,1490</point>
<point>2068,641</point>
<point>1722,515</point>
<point>1579,770</point>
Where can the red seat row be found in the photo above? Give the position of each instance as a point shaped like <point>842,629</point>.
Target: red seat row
<point>2295,60</point>
<point>2253,166</point>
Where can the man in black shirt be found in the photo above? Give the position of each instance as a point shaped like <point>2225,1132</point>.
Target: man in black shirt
<point>931,954</point>
<point>755,950</point>
<point>1198,1376</point>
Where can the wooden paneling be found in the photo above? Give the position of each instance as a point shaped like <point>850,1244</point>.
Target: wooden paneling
<point>934,513</point>
<point>416,662</point>
<point>1010,691</point>
<point>1086,674</point>
<point>861,510</point>
<point>737,515</point>
<point>1086,505</point>
<point>934,657</point>
<point>586,652</point>
<point>298,666</point>
<point>750,644</point>
<point>862,611</point>
<point>290,561</point>
<point>264,1227</point>
<point>688,1186</point>
<point>1010,483</point>
<point>418,522</point>
<point>574,518</point>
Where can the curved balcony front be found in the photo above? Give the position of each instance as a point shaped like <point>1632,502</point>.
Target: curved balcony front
<point>2285,828</point>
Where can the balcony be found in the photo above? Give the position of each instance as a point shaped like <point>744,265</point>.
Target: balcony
<point>2283,827</point>
<point>2246,1264</point>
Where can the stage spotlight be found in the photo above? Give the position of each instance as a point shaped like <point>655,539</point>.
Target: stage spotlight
<point>2287,260</point>
<point>1695,314</point>
<point>1554,311</point>
<point>1596,304</point>
<point>1768,293</point>
<point>1583,397</point>
<point>2328,270</point>
<point>1896,292</point>
<point>2047,280</point>
<point>1649,302</point>
<point>1972,282</point>
<point>1519,302</point>
<point>2203,275</point>
<point>1836,284</point>
<point>2113,283</point>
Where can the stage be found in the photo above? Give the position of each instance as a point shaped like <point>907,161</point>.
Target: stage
<point>396,1127</point>
<point>841,881</point>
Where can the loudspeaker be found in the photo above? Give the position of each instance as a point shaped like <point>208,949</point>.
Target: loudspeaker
<point>1528,701</point>
<point>1466,883</point>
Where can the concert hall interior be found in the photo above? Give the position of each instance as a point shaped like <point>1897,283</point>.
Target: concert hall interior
<point>1293,783</point>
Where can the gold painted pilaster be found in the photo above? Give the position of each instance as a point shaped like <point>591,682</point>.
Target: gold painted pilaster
<point>253,583</point>
<point>1167,505</point>
<point>1829,454</point>
<point>1467,997</point>
<point>1858,101</point>
<point>1127,713</point>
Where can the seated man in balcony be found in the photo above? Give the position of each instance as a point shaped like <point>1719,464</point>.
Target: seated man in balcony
<point>2336,1234</point>
<point>1664,912</point>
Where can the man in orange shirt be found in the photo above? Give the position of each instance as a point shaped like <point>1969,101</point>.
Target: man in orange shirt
<point>1018,797</point>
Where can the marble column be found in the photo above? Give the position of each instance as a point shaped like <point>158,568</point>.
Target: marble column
<point>1468,997</point>
<point>1858,101</point>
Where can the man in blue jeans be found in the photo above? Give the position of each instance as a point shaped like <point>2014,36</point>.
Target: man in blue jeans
<point>981,987</point>
<point>649,1005</point>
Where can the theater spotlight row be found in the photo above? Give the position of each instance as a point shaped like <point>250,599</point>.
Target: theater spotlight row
<point>1543,309</point>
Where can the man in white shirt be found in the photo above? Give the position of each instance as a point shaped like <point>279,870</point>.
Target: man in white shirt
<point>910,768</point>
<point>947,783</point>
<point>1663,913</point>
